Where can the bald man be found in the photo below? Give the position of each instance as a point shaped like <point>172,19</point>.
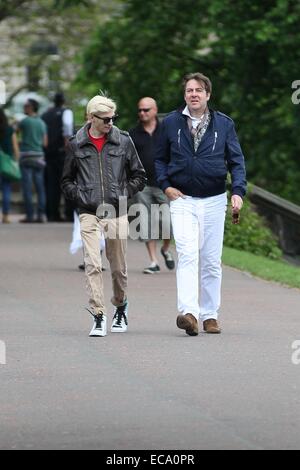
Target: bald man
<point>145,136</point>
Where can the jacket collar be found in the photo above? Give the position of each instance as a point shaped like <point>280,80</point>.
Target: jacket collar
<point>185,128</point>
<point>82,136</point>
<point>179,110</point>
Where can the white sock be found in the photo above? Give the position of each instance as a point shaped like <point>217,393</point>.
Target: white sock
<point>153,264</point>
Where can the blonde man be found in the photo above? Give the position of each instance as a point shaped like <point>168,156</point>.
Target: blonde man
<point>102,169</point>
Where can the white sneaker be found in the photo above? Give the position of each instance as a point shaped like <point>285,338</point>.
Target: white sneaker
<point>120,320</point>
<point>100,325</point>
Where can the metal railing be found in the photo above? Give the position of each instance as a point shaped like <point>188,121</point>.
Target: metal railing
<point>283,218</point>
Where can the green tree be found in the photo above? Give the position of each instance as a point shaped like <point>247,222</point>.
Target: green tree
<point>144,52</point>
<point>250,50</point>
<point>258,59</point>
<point>44,38</point>
<point>17,7</point>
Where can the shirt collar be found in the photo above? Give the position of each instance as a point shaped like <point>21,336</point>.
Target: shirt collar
<point>186,112</point>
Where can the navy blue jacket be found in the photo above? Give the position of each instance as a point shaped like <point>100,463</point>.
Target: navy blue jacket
<point>202,173</point>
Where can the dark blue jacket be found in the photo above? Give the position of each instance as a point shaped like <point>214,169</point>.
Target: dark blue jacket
<point>202,173</point>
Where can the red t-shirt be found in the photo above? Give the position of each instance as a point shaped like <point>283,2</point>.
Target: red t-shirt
<point>98,142</point>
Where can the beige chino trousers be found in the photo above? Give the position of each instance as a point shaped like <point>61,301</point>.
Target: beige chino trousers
<point>115,232</point>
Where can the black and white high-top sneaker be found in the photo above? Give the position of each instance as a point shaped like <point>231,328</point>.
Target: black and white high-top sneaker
<point>120,320</point>
<point>100,324</point>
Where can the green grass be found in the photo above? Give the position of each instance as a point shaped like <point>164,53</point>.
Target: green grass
<point>278,271</point>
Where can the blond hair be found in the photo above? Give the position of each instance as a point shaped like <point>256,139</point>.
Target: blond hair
<point>100,104</point>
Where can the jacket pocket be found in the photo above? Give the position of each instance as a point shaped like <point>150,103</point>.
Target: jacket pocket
<point>178,172</point>
<point>115,193</point>
<point>212,165</point>
<point>88,196</point>
<point>117,164</point>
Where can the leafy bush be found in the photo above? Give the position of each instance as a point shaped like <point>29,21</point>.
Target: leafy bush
<point>251,234</point>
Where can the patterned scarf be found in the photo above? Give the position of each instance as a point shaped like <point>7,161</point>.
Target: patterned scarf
<point>200,130</point>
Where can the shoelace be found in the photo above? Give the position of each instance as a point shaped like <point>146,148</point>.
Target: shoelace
<point>120,314</point>
<point>98,319</point>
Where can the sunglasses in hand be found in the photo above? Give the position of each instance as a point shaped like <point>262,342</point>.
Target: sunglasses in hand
<point>235,218</point>
<point>106,120</point>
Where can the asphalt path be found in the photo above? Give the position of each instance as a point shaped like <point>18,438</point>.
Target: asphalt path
<point>153,387</point>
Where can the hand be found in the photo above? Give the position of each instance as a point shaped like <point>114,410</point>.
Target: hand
<point>236,206</point>
<point>173,193</point>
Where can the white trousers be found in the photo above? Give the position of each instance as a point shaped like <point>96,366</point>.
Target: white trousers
<point>198,226</point>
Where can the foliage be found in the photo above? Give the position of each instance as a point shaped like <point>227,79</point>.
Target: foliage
<point>258,58</point>
<point>143,53</point>
<point>17,7</point>
<point>250,50</point>
<point>44,37</point>
<point>251,234</point>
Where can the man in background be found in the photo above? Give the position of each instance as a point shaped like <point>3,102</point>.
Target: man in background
<point>145,137</point>
<point>60,125</point>
<point>32,161</point>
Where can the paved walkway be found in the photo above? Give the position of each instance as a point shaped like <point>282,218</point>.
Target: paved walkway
<point>154,387</point>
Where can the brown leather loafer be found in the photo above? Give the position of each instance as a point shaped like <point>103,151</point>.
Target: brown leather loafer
<point>211,326</point>
<point>188,323</point>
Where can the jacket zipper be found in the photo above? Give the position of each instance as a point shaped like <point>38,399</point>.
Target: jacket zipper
<point>216,136</point>
<point>178,140</point>
<point>99,154</point>
<point>101,172</point>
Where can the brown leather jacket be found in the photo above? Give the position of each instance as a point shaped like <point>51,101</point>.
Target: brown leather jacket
<point>93,180</point>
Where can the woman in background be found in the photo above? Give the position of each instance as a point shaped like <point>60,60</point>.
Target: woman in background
<point>9,145</point>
